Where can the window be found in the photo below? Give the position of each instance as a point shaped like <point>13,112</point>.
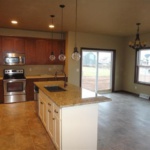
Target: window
<point>143,66</point>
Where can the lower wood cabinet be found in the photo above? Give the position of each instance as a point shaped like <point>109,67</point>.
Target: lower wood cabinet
<point>1,92</point>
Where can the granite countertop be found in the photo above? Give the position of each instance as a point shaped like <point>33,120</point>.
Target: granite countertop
<point>42,76</point>
<point>72,96</point>
<point>38,76</point>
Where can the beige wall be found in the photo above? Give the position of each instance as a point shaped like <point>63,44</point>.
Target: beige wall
<point>95,41</point>
<point>125,57</point>
<point>129,68</point>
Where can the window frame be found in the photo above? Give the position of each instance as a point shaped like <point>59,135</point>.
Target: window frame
<point>137,66</point>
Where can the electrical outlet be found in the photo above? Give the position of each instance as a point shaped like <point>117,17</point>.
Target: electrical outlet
<point>30,69</point>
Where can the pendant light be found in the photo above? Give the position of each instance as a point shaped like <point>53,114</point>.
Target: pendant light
<point>52,56</point>
<point>137,44</point>
<point>61,56</point>
<point>76,55</point>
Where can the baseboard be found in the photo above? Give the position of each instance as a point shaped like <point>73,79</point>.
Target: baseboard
<point>127,92</point>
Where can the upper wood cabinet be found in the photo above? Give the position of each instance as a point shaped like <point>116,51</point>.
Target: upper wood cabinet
<point>56,46</point>
<point>37,50</point>
<point>41,51</point>
<point>12,44</point>
<point>30,51</point>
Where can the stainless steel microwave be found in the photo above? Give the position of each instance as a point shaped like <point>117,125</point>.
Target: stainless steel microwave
<point>14,59</point>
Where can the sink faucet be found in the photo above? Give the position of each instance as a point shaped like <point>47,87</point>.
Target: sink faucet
<point>65,77</point>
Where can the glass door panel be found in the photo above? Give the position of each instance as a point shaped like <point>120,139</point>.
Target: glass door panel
<point>97,70</point>
<point>89,65</point>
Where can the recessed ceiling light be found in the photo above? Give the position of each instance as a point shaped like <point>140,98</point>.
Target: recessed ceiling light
<point>51,26</point>
<point>14,22</point>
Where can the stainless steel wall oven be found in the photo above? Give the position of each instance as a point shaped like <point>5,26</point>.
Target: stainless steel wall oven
<point>14,83</point>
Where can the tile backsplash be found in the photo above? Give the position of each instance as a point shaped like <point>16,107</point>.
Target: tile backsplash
<point>35,69</point>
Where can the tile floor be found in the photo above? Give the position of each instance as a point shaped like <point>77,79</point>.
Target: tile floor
<point>124,124</point>
<point>21,129</point>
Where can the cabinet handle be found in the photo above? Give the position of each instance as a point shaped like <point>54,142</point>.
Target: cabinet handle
<point>49,111</point>
<point>53,118</point>
<point>55,111</point>
<point>49,104</point>
<point>41,102</point>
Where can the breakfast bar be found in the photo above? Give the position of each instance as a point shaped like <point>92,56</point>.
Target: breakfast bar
<point>69,114</point>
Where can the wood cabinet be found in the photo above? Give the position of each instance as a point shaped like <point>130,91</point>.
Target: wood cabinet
<point>1,57</point>
<point>58,46</point>
<point>1,92</point>
<point>12,44</point>
<point>30,87</point>
<point>37,50</point>
<point>41,51</point>
<point>30,51</point>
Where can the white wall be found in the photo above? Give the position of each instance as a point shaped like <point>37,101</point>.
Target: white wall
<point>95,41</point>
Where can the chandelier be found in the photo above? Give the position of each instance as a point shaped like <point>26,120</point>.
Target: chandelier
<point>137,44</point>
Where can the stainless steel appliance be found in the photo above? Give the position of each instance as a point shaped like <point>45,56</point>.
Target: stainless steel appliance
<point>13,59</point>
<point>14,83</point>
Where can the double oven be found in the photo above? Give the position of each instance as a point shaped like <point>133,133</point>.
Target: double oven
<point>14,84</point>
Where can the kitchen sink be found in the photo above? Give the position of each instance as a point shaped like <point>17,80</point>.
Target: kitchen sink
<point>54,88</point>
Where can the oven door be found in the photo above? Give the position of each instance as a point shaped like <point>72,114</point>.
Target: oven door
<point>14,90</point>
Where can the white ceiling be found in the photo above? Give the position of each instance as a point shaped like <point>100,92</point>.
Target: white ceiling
<point>111,17</point>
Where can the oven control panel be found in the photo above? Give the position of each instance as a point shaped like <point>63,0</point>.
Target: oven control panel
<point>13,71</point>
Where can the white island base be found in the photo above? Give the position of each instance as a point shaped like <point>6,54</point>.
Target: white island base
<point>70,119</point>
<point>79,126</point>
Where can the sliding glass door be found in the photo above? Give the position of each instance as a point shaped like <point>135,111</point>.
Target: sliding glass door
<point>96,70</point>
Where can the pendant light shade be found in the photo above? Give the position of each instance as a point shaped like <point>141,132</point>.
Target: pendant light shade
<point>137,44</point>
<point>61,56</point>
<point>76,55</point>
<point>52,56</point>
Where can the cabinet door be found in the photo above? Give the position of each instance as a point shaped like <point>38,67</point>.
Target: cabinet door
<point>30,89</point>
<point>50,123</point>
<point>7,44</point>
<point>12,44</point>
<point>41,108</point>
<point>1,92</point>
<point>19,45</point>
<point>1,54</point>
<point>58,45</point>
<point>41,49</point>
<point>30,51</point>
<point>56,126</point>
<point>42,111</point>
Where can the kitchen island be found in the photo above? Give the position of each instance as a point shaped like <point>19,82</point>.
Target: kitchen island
<point>69,116</point>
